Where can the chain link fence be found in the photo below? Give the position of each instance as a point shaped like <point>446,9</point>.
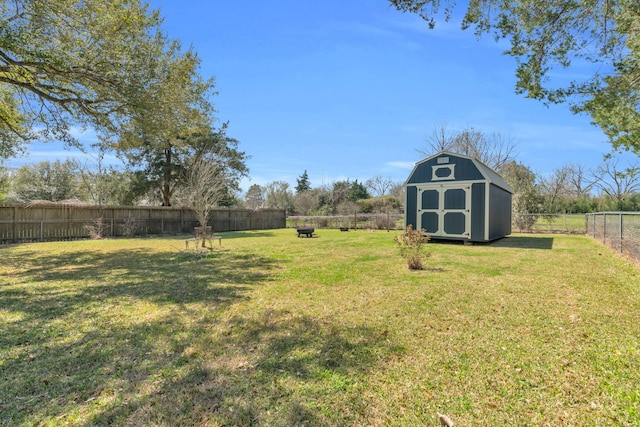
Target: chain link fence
<point>394,220</point>
<point>356,221</point>
<point>564,223</point>
<point>618,230</point>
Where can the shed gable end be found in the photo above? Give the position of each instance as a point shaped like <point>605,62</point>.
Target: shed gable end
<point>444,167</point>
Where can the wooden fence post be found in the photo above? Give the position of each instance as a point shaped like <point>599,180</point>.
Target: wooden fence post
<point>69,227</point>
<point>15,230</point>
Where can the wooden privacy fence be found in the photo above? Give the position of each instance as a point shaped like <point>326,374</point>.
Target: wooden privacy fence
<point>44,222</point>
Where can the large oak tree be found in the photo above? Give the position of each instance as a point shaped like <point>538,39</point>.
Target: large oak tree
<point>175,112</point>
<point>109,66</point>
<point>73,63</point>
<point>165,165</point>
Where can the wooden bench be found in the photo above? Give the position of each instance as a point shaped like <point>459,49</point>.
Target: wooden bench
<point>208,240</point>
<point>203,235</point>
<point>307,231</point>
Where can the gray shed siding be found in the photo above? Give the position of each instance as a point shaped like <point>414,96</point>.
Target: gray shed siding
<point>453,196</point>
<point>499,212</point>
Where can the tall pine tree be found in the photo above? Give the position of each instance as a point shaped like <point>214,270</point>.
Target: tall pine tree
<point>303,183</point>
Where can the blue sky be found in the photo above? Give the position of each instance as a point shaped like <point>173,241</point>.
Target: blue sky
<point>352,89</point>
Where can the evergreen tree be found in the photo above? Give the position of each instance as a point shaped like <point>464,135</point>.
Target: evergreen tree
<point>357,191</point>
<point>303,183</point>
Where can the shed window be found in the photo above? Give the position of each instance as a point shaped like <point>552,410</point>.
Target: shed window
<point>443,173</point>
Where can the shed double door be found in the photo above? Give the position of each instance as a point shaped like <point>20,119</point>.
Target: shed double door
<point>444,210</point>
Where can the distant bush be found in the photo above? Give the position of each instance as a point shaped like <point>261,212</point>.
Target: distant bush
<point>96,228</point>
<point>380,204</point>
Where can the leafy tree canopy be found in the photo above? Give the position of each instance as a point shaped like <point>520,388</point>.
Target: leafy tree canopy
<point>50,181</point>
<point>74,63</point>
<point>547,34</point>
<point>174,122</point>
<point>254,198</point>
<point>278,196</point>
<point>357,191</point>
<point>526,195</point>
<point>165,167</point>
<point>4,182</point>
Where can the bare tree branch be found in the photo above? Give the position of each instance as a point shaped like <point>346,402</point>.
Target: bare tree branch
<point>614,182</point>
<point>494,150</point>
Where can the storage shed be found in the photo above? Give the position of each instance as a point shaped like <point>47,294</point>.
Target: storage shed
<point>456,197</point>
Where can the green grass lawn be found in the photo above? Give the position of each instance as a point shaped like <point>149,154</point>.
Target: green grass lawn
<point>560,223</point>
<point>571,223</point>
<point>272,329</point>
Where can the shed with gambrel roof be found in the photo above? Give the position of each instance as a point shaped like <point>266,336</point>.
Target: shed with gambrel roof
<point>457,197</point>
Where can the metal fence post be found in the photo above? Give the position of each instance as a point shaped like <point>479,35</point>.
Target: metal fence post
<point>586,223</point>
<point>621,233</point>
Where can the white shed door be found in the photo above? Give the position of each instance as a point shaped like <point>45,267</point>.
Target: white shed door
<point>444,210</point>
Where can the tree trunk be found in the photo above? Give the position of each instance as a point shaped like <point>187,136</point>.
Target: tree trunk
<point>166,179</point>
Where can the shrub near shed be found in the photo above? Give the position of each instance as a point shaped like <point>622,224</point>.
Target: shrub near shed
<point>412,248</point>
